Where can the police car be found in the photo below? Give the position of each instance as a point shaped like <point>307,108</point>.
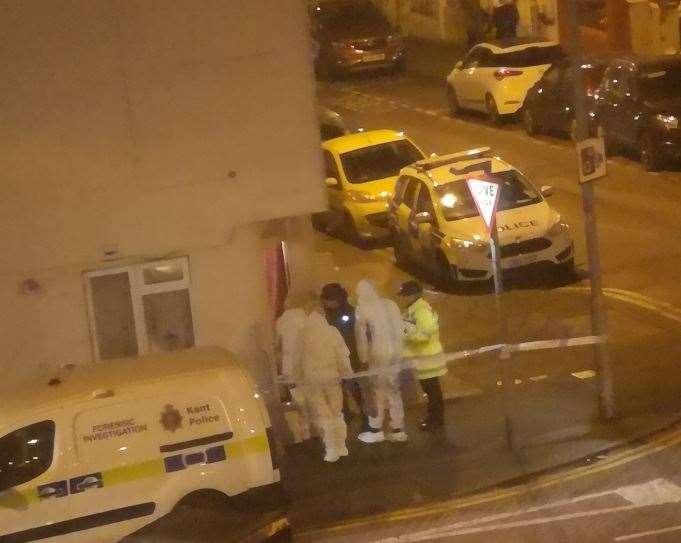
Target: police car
<point>436,223</point>
<point>102,451</point>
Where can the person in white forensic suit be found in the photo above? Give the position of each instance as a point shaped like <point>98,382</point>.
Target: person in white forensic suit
<point>324,359</point>
<point>380,330</point>
<point>287,329</point>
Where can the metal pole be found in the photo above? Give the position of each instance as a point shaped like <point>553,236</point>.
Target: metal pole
<point>504,355</point>
<point>599,323</point>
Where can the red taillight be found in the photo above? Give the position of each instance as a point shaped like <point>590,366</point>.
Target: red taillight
<point>505,72</point>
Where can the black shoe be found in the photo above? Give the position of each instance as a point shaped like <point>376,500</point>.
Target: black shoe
<point>431,425</point>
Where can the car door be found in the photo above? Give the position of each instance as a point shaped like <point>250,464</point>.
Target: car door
<point>484,78</point>
<point>404,214</point>
<point>426,235</point>
<point>335,192</point>
<point>551,100</point>
<point>34,480</point>
<point>612,103</point>
<point>464,78</point>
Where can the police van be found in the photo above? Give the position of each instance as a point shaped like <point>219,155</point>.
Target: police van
<point>436,224</point>
<point>103,450</point>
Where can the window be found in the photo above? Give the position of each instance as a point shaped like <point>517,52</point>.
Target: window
<point>486,59</point>
<point>532,56</point>
<point>424,202</point>
<point>331,170</point>
<point>457,203</point>
<point>400,185</point>
<point>472,59</point>
<point>410,193</point>
<point>25,454</point>
<point>378,161</point>
<point>140,309</point>
<point>329,131</point>
<point>661,81</point>
<point>617,81</point>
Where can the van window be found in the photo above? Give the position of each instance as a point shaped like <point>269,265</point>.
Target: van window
<point>26,453</point>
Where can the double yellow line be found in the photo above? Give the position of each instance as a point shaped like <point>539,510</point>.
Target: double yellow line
<point>655,445</point>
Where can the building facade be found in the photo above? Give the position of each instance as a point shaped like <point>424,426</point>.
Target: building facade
<point>159,158</point>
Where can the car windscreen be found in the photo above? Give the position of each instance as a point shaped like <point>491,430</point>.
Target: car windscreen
<point>346,14</point>
<point>532,56</point>
<point>378,161</point>
<point>25,454</point>
<point>457,203</point>
<point>659,82</point>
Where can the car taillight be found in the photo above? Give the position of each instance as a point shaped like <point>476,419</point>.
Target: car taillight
<point>505,72</point>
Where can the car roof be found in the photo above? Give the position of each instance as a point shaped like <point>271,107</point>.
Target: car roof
<point>511,45</point>
<point>454,167</point>
<point>648,62</point>
<point>79,383</point>
<point>358,140</point>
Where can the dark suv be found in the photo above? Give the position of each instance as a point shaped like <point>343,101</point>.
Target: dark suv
<point>638,106</point>
<point>351,36</point>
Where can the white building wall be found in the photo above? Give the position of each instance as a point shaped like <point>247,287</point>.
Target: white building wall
<point>151,128</point>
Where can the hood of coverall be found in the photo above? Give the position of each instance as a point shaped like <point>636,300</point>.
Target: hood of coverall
<point>366,293</point>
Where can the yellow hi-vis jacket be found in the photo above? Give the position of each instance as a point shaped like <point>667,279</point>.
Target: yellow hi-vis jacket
<point>422,339</point>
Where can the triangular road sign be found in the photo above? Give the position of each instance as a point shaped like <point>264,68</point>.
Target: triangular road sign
<point>486,196</point>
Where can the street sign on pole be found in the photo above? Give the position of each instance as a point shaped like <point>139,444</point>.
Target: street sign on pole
<point>486,192</point>
<point>591,159</point>
<point>486,196</point>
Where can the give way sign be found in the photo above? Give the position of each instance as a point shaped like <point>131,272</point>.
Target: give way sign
<point>486,196</point>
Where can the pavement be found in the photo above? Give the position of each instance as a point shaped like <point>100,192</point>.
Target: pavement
<point>431,59</point>
<point>552,410</point>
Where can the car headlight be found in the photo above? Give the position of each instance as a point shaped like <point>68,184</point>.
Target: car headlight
<point>668,122</point>
<point>362,197</point>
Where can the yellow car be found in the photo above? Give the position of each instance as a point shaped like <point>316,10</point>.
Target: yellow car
<point>361,170</point>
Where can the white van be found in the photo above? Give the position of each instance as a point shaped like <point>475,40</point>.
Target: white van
<point>104,450</point>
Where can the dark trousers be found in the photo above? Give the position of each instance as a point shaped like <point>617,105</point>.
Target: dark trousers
<point>436,406</point>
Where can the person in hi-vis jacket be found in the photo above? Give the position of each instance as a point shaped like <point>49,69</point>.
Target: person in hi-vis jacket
<point>422,343</point>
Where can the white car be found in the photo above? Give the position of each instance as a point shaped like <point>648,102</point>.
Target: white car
<point>437,227</point>
<point>495,77</point>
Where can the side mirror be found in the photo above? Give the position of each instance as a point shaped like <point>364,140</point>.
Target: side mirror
<point>458,65</point>
<point>546,191</point>
<point>331,182</point>
<point>423,218</point>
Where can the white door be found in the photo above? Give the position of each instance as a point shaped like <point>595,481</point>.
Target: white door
<point>464,78</point>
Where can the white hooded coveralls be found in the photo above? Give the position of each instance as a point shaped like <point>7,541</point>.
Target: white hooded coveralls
<point>323,360</point>
<point>380,330</point>
<point>288,328</point>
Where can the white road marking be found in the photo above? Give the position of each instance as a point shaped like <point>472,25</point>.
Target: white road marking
<point>638,535</point>
<point>652,493</point>
<point>431,113</point>
<point>585,374</point>
<point>541,377</point>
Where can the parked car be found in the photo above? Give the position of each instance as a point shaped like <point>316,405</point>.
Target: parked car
<point>638,107</point>
<point>494,77</point>
<point>438,228</point>
<point>352,36</point>
<point>361,170</point>
<point>95,455</point>
<point>549,104</point>
<point>331,124</point>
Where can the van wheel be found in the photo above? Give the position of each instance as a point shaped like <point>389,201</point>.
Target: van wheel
<point>650,154</point>
<point>350,232</point>
<point>453,102</point>
<point>529,123</point>
<point>492,109</point>
<point>445,273</point>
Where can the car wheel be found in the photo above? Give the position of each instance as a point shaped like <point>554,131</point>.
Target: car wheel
<point>318,222</point>
<point>492,109</point>
<point>445,274</point>
<point>650,153</point>
<point>453,102</point>
<point>350,229</point>
<point>566,270</point>
<point>529,123</point>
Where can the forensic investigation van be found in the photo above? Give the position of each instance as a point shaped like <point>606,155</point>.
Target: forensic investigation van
<point>101,451</point>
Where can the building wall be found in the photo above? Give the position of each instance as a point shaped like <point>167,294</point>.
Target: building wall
<point>142,129</point>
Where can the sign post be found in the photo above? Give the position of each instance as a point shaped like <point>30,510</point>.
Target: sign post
<point>485,192</point>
